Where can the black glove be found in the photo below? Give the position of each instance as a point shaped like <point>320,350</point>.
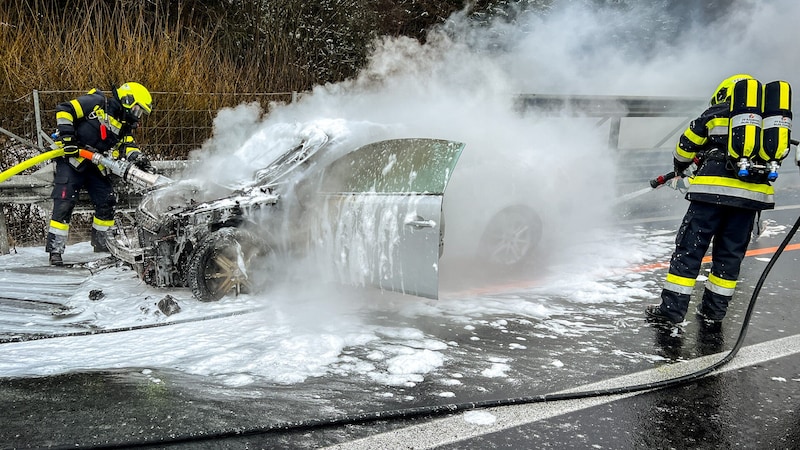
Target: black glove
<point>70,146</point>
<point>680,166</point>
<point>140,161</point>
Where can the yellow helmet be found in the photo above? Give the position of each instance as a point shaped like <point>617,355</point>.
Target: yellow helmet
<point>723,92</point>
<point>135,98</point>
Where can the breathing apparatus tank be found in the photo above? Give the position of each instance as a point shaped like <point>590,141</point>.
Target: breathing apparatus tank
<point>759,134</point>
<point>744,132</point>
<point>776,136</point>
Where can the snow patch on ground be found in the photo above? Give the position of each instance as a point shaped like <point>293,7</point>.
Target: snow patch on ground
<point>479,417</point>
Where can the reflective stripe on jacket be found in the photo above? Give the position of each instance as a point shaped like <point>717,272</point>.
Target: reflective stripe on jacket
<point>97,121</point>
<point>716,181</point>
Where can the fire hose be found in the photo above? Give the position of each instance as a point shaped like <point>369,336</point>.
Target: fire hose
<point>28,163</point>
<point>126,170</point>
<point>123,169</point>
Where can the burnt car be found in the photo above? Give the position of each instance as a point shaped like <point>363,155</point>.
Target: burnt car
<point>372,212</point>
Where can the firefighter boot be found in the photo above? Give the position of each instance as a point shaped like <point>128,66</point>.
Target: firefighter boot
<point>99,240</point>
<point>55,259</point>
<point>655,314</point>
<point>55,245</point>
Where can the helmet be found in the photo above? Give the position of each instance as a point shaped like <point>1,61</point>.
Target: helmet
<point>135,98</point>
<point>723,92</point>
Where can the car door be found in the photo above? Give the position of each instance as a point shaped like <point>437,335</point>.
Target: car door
<point>382,210</point>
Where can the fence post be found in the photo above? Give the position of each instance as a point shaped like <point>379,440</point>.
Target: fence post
<point>3,233</point>
<point>38,117</point>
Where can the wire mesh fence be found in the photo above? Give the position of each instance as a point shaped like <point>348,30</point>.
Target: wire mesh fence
<point>180,122</point>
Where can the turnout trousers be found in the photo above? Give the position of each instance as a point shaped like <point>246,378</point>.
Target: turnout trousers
<point>727,229</point>
<point>68,183</point>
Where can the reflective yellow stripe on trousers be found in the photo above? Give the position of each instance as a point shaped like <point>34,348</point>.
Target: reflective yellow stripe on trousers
<point>679,284</point>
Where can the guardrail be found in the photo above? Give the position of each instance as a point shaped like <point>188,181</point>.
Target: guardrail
<point>613,109</point>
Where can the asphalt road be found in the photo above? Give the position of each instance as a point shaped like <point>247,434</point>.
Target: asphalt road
<point>750,402</point>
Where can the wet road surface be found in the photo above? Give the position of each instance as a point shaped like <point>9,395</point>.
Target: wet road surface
<point>750,402</point>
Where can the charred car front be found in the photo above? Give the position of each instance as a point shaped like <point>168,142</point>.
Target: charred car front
<point>375,212</point>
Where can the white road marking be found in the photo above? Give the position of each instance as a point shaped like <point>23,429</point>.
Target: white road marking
<point>454,429</point>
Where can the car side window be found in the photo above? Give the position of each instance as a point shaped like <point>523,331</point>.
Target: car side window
<point>397,166</point>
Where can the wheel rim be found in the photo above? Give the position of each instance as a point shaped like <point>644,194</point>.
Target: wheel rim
<point>511,238</point>
<point>225,271</point>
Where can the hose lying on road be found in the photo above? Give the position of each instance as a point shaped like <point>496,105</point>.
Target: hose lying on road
<point>437,410</point>
<point>97,331</point>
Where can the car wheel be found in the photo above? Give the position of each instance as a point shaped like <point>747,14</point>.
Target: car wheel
<point>224,263</point>
<point>510,237</point>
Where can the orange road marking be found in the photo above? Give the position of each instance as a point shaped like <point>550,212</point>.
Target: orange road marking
<point>523,284</point>
<point>707,259</point>
<point>763,251</point>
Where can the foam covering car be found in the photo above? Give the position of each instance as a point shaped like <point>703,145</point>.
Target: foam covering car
<point>372,214</point>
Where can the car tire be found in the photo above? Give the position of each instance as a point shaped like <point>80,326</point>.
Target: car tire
<point>224,262</point>
<point>510,238</point>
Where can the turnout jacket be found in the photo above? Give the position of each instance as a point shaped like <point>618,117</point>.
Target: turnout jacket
<point>97,121</point>
<point>716,181</point>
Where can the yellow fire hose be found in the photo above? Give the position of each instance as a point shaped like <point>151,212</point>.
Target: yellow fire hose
<point>28,163</point>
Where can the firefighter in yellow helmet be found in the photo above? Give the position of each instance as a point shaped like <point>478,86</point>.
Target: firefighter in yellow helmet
<point>106,124</point>
<point>723,92</point>
<point>722,211</point>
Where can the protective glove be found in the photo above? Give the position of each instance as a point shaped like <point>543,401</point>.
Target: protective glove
<point>680,184</point>
<point>680,166</point>
<point>70,146</point>
<point>141,161</point>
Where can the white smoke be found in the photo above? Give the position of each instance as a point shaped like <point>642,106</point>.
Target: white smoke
<point>460,82</point>
<point>460,85</point>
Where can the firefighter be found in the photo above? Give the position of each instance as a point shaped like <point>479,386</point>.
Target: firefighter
<point>722,210</point>
<point>104,124</point>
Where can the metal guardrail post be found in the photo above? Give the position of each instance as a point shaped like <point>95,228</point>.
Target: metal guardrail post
<point>18,138</point>
<point>613,133</point>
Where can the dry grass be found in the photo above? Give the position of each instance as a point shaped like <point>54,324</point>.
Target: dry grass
<point>186,47</point>
<point>95,43</point>
<point>192,47</point>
